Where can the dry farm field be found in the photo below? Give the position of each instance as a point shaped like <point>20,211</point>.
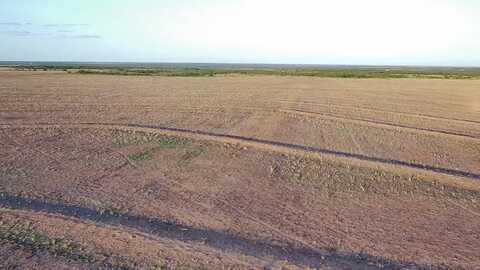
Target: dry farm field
<point>238,172</point>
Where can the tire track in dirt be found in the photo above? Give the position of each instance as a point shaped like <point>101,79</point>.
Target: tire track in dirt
<point>426,116</point>
<point>218,240</point>
<point>48,156</point>
<point>250,109</point>
<point>379,123</point>
<point>254,142</point>
<point>213,109</point>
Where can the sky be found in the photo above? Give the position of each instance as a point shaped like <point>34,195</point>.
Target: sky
<point>351,32</point>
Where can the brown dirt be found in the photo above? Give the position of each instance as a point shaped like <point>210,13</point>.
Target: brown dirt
<point>244,172</point>
<point>14,257</point>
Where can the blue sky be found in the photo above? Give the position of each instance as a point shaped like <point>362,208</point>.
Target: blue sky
<point>401,32</point>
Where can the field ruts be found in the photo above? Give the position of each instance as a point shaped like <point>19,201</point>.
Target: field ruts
<point>246,171</point>
<point>353,119</point>
<point>261,142</point>
<point>292,252</point>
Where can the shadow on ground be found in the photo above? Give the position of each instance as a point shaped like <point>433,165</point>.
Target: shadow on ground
<point>220,240</point>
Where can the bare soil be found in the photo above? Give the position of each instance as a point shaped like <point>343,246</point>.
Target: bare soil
<point>241,172</point>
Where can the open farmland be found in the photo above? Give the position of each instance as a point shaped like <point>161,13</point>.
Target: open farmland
<point>236,171</point>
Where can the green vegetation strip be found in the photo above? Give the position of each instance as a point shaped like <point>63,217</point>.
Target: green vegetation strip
<point>159,142</point>
<point>328,73</point>
<point>142,156</point>
<point>140,138</point>
<point>155,142</point>
<point>207,71</point>
<point>22,234</point>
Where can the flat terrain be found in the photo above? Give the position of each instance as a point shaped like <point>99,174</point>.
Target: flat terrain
<point>241,172</point>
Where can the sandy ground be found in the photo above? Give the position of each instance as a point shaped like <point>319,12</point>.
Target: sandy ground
<point>243,172</point>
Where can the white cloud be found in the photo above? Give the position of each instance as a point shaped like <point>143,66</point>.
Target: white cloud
<point>432,32</point>
<point>342,29</point>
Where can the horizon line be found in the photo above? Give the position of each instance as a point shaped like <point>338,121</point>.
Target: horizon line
<point>240,63</point>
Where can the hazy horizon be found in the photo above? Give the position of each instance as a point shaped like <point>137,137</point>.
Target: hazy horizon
<point>442,33</point>
<point>230,64</point>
